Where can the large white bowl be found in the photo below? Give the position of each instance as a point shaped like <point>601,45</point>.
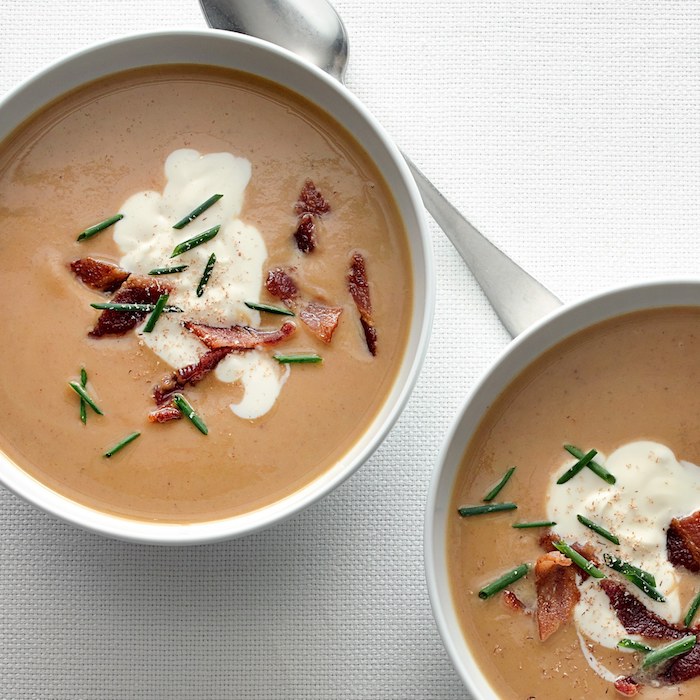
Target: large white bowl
<point>217,48</point>
<point>515,358</point>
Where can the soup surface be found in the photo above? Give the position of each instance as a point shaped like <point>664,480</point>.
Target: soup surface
<point>628,389</point>
<point>78,162</point>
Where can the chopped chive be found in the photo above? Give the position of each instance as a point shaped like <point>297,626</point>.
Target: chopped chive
<point>111,306</point>
<point>631,644</point>
<point>186,409</point>
<point>488,508</point>
<point>497,488</point>
<point>596,468</point>
<point>504,581</point>
<point>583,461</point>
<point>155,314</point>
<point>692,610</point>
<point>93,230</point>
<point>121,444</point>
<point>300,358</point>
<point>83,405</point>
<point>197,211</point>
<point>534,523</point>
<point>640,578</point>
<point>267,307</point>
<point>168,270</point>
<point>598,529</point>
<point>579,560</point>
<point>669,651</point>
<point>206,274</point>
<point>195,241</point>
<point>85,396</point>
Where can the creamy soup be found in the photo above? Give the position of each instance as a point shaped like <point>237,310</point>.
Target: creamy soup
<point>98,151</point>
<point>626,388</point>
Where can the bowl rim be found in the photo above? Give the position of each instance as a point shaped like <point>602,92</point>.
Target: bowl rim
<point>422,267</point>
<point>603,305</point>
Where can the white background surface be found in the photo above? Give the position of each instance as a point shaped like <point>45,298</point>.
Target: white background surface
<point>569,132</point>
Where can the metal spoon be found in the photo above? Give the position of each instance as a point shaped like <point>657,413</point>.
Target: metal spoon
<point>313,30</point>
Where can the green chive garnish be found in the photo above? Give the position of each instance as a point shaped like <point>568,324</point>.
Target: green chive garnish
<point>669,651</point>
<point>111,306</point>
<point>195,241</point>
<point>598,529</point>
<point>300,358</point>
<point>197,211</point>
<point>168,270</point>
<point>488,508</point>
<point>640,578</point>
<point>497,488</point>
<point>583,461</point>
<point>83,405</point>
<point>206,274</point>
<point>596,468</point>
<point>534,523</point>
<point>692,610</point>
<point>504,581</point>
<point>631,644</point>
<point>85,396</point>
<point>270,309</point>
<point>579,560</point>
<point>155,314</point>
<point>93,230</point>
<point>186,409</point>
<point>121,444</point>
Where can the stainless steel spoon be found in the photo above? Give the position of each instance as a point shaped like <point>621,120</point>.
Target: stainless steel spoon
<point>313,30</point>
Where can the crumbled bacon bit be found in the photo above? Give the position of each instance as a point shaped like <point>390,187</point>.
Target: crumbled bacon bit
<point>359,290</point>
<point>238,337</point>
<point>280,284</point>
<point>627,686</point>
<point>163,414</point>
<point>683,542</point>
<point>305,235</point>
<point>585,550</point>
<point>136,290</point>
<point>191,374</point>
<point>98,274</point>
<point>322,320</point>
<point>634,616</point>
<point>512,601</point>
<point>557,592</point>
<point>311,201</point>
<point>683,667</point>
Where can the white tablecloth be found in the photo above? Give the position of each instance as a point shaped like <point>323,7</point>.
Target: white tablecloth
<point>569,132</point>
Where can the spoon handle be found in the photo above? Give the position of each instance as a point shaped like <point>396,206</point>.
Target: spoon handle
<point>517,298</point>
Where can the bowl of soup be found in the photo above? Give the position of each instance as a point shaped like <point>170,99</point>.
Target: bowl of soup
<point>561,537</point>
<point>222,291</point>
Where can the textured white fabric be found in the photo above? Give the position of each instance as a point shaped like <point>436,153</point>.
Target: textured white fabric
<point>569,132</point>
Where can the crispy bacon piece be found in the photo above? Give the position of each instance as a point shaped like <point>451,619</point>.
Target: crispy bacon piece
<point>238,337</point>
<point>627,686</point>
<point>634,616</point>
<point>512,601</point>
<point>98,274</point>
<point>305,235</point>
<point>557,592</point>
<point>585,550</point>
<point>136,290</point>
<point>322,320</point>
<point>683,542</point>
<point>359,290</point>
<point>280,284</point>
<point>684,667</point>
<point>165,413</point>
<point>191,374</point>
<point>311,201</point>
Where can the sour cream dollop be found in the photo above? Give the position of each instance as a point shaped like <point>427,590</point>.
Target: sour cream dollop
<point>146,238</point>
<point>652,488</point>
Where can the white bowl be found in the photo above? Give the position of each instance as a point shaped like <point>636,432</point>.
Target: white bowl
<point>224,49</point>
<point>515,358</point>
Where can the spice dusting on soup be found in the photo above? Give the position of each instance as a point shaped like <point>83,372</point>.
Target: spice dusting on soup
<point>217,286</point>
<point>580,577</point>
